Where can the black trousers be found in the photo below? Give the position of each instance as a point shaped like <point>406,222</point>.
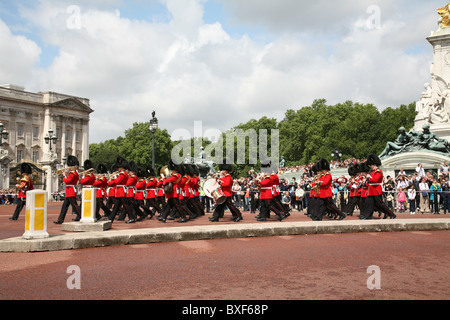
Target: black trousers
<point>220,209</point>
<point>350,207</point>
<point>69,201</point>
<point>101,205</point>
<point>173,204</point>
<point>267,205</point>
<point>118,204</point>
<point>326,204</point>
<point>199,209</point>
<point>376,203</point>
<point>151,203</point>
<point>20,204</point>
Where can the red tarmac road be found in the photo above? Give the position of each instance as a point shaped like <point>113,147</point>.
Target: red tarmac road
<point>413,265</point>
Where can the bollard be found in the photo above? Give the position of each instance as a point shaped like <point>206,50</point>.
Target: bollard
<point>36,215</point>
<point>88,205</point>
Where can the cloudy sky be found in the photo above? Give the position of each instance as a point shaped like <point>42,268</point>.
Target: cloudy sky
<point>222,62</point>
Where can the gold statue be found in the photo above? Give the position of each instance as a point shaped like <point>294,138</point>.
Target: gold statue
<point>445,15</point>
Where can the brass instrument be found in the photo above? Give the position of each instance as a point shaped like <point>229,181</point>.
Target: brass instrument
<point>111,175</point>
<point>62,170</point>
<point>92,170</point>
<point>316,187</point>
<point>165,171</point>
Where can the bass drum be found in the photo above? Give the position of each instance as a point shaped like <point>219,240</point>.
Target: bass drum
<point>212,190</point>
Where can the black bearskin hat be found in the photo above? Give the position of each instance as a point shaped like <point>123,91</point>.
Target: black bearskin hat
<point>101,168</point>
<point>26,168</point>
<point>72,161</point>
<point>324,165</point>
<point>225,166</point>
<point>122,163</point>
<point>88,165</point>
<point>372,159</point>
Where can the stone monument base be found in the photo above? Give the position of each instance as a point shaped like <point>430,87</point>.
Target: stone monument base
<point>86,227</point>
<point>410,160</point>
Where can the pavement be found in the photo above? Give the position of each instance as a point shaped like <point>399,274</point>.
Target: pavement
<point>153,231</point>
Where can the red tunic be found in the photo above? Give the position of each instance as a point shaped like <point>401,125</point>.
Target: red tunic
<point>325,186</point>
<point>375,182</point>
<point>140,189</point>
<point>101,185</point>
<point>112,188</point>
<point>131,186</point>
<point>266,188</point>
<point>174,179</point>
<point>151,188</point>
<point>71,182</point>
<point>25,185</point>
<point>226,183</point>
<point>120,183</point>
<point>275,184</point>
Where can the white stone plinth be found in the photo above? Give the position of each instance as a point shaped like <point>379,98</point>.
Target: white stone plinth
<point>88,205</point>
<point>36,215</point>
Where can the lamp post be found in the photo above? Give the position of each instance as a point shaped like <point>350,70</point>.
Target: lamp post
<point>153,128</point>
<point>50,138</point>
<point>337,154</point>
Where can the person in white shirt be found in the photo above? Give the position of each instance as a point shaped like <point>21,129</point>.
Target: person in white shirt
<point>420,171</point>
<point>424,196</point>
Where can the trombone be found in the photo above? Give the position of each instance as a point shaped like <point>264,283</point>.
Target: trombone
<point>92,170</point>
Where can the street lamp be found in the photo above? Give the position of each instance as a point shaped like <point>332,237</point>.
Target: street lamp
<point>153,128</point>
<point>337,154</point>
<point>3,133</point>
<point>50,138</point>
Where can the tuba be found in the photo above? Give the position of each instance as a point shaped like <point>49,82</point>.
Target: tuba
<point>165,171</point>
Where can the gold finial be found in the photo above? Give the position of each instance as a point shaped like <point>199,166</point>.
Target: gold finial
<point>445,15</point>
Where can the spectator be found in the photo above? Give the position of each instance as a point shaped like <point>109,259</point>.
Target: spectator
<point>420,171</point>
<point>445,169</point>
<point>446,194</point>
<point>412,199</point>
<point>424,195</point>
<point>435,189</point>
<point>401,199</point>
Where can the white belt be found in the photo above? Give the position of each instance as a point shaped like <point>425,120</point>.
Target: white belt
<point>375,184</point>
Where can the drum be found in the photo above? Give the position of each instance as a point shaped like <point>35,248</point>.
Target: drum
<point>212,190</point>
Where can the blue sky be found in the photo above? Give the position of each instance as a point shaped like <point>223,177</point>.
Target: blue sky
<point>192,59</point>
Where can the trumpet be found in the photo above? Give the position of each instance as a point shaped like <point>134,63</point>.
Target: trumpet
<point>61,171</point>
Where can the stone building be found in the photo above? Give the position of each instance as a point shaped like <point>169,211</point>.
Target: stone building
<point>28,117</point>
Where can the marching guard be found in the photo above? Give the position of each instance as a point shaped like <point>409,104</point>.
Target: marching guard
<point>375,191</point>
<point>25,184</point>
<point>101,184</point>
<point>70,199</point>
<point>171,185</point>
<point>325,192</point>
<point>226,182</point>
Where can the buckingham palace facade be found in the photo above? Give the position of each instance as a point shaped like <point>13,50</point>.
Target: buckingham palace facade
<point>28,119</point>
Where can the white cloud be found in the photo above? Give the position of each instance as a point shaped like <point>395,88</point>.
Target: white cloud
<point>18,56</point>
<point>189,71</point>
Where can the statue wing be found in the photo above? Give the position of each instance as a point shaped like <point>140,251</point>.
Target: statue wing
<point>441,83</point>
